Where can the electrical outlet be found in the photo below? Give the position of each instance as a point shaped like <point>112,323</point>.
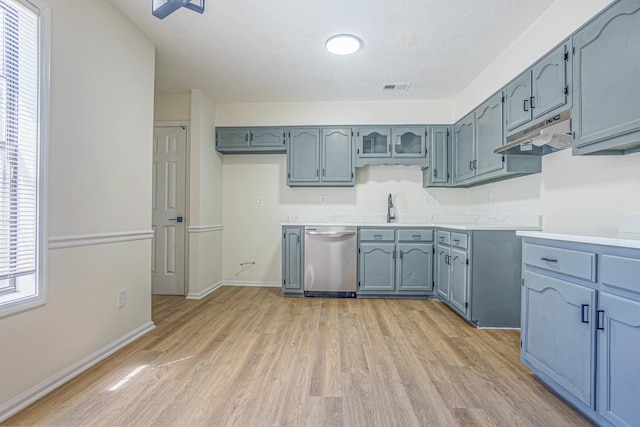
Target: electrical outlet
<point>122,298</point>
<point>324,199</point>
<point>490,196</point>
<point>429,199</point>
<point>260,201</point>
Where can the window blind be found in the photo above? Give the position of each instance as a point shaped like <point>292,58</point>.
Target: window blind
<point>18,141</point>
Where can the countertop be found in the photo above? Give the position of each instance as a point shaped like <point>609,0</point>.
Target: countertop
<point>623,240</point>
<point>455,222</point>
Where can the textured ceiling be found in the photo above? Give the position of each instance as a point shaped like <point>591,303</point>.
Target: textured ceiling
<point>273,50</point>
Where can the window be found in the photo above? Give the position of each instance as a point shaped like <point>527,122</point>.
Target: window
<point>23,87</point>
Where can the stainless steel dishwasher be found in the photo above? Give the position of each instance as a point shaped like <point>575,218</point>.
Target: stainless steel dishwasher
<point>330,261</point>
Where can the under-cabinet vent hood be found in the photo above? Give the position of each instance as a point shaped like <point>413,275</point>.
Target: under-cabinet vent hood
<point>542,138</point>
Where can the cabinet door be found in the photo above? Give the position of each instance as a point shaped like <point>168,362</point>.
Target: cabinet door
<point>374,142</point>
<point>267,137</point>
<point>463,146</point>
<point>439,160</point>
<point>303,157</point>
<point>377,267</point>
<point>232,137</point>
<point>409,142</point>
<point>549,82</point>
<point>292,260</point>
<point>443,271</point>
<point>459,291</point>
<point>414,267</point>
<point>606,66</point>
<point>489,135</point>
<point>557,332</point>
<point>518,98</point>
<point>618,367</point>
<point>337,155</point>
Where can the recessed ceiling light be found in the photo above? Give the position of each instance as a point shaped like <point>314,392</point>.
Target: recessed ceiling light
<point>343,44</point>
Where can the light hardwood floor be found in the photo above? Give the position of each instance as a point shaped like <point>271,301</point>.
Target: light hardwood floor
<point>249,357</point>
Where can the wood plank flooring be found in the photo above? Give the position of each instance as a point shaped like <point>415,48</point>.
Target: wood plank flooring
<point>249,357</point>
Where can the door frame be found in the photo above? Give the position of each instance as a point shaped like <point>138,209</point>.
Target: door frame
<point>186,124</point>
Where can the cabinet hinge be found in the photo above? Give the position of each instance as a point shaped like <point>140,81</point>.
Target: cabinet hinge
<point>467,261</point>
<point>358,284</point>
<point>566,56</point>
<point>434,250</point>
<point>358,151</point>
<point>466,305</point>
<point>503,159</point>
<point>352,134</point>
<point>284,235</point>
<point>573,50</point>
<point>503,98</point>
<point>566,90</point>
<point>448,176</point>
<point>289,175</point>
<point>358,250</point>
<point>351,175</point>
<point>433,284</point>
<point>520,343</point>
<point>289,134</point>
<point>574,134</point>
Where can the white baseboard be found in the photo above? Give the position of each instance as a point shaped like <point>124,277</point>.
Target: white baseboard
<point>204,293</point>
<point>34,393</point>
<point>249,283</point>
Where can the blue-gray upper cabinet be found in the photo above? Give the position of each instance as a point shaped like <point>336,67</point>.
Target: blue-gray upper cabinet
<point>475,137</point>
<point>438,173</point>
<point>292,260</point>
<point>320,157</point>
<point>464,148</point>
<point>258,140</point>
<point>381,145</point>
<point>606,66</point>
<point>540,92</point>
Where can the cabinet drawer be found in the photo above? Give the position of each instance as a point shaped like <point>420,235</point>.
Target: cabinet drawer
<point>444,237</point>
<point>387,235</point>
<point>415,235</point>
<point>459,240</point>
<point>566,261</point>
<point>621,272</point>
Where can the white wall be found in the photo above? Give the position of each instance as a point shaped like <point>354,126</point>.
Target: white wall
<point>102,72</point>
<point>573,194</point>
<point>205,198</point>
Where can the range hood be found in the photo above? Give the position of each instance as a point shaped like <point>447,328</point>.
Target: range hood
<point>542,138</point>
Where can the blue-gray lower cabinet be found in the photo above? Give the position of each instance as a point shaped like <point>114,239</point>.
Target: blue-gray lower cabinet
<point>581,325</point>
<point>292,260</point>
<point>478,275</point>
<point>395,262</point>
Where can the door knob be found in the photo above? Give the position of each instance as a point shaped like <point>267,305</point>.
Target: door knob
<point>177,219</point>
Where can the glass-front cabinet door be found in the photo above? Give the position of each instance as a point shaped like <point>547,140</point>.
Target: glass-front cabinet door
<point>374,142</point>
<point>409,142</point>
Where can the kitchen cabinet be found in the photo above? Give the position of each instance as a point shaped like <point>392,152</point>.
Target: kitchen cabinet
<point>606,65</point>
<point>395,262</point>
<point>540,92</point>
<point>478,275</point>
<point>256,140</point>
<point>292,260</point>
<point>399,145</point>
<point>581,325</point>
<point>475,137</point>
<point>438,174</point>
<point>320,157</point>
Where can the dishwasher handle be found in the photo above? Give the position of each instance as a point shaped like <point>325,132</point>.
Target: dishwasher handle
<point>330,233</point>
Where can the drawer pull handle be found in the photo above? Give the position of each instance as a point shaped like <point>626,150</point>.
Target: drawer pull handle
<point>549,259</point>
<point>456,240</point>
<point>584,315</point>
<point>377,236</point>
<point>416,237</point>
<point>600,320</point>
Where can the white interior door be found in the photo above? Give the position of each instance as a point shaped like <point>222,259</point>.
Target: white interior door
<point>169,205</point>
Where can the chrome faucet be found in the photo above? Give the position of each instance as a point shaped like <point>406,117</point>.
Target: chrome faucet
<point>389,207</point>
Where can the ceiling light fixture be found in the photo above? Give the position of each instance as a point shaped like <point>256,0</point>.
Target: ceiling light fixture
<point>163,8</point>
<point>343,44</point>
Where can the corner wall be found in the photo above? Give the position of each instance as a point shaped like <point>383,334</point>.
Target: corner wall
<point>99,187</point>
<point>574,194</point>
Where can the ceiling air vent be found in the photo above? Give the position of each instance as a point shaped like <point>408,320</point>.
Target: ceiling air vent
<point>396,86</point>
